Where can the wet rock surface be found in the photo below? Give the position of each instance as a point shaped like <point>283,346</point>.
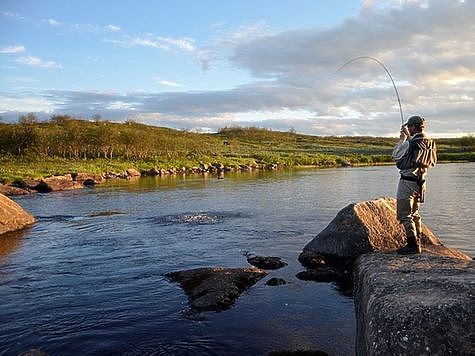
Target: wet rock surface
<point>215,288</point>
<point>414,305</point>
<point>12,216</point>
<point>266,262</point>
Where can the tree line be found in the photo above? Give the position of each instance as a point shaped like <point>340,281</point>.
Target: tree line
<point>66,137</point>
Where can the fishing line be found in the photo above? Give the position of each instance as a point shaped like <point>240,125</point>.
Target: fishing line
<point>387,71</point>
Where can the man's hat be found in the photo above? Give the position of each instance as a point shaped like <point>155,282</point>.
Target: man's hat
<point>416,121</point>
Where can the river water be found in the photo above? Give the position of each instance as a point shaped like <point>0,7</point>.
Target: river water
<point>87,278</point>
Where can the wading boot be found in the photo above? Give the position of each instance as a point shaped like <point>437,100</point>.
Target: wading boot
<point>412,248</point>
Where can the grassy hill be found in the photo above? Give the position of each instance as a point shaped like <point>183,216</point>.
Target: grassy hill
<point>63,145</point>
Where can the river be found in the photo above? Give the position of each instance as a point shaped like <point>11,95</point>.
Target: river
<point>87,278</point>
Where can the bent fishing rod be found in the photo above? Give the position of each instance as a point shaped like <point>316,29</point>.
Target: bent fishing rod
<point>388,73</point>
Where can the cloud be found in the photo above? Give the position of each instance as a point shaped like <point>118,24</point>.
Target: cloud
<point>226,41</point>
<point>13,49</point>
<point>168,83</point>
<point>428,46</point>
<point>54,22</point>
<point>158,42</point>
<point>112,28</point>
<point>12,15</point>
<point>37,62</point>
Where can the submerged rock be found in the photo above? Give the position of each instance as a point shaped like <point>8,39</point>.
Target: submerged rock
<point>266,262</point>
<point>414,305</point>
<point>276,282</point>
<point>215,288</point>
<point>366,227</point>
<point>323,274</point>
<point>12,216</point>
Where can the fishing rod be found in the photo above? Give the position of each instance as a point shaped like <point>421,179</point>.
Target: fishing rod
<point>387,71</point>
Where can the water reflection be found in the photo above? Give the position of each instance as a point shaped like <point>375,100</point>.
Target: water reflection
<point>12,241</point>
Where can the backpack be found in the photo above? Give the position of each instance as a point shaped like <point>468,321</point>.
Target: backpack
<point>422,153</point>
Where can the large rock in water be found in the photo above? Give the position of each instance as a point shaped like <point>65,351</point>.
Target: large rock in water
<point>414,305</point>
<point>58,183</point>
<point>366,227</point>
<point>12,216</point>
<point>215,288</point>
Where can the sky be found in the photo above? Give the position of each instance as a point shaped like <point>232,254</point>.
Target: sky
<point>203,65</point>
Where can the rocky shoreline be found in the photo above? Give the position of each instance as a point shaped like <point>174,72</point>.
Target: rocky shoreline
<point>75,180</point>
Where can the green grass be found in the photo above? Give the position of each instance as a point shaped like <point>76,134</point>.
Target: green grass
<point>60,147</point>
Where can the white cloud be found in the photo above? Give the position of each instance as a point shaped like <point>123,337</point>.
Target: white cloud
<point>113,28</point>
<point>169,83</point>
<point>185,44</point>
<point>428,46</point>
<point>54,22</point>
<point>37,62</point>
<point>13,49</point>
<point>12,15</point>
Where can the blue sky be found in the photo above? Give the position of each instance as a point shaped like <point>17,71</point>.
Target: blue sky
<point>202,65</point>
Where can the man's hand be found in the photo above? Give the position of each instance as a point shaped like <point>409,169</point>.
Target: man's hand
<point>404,134</point>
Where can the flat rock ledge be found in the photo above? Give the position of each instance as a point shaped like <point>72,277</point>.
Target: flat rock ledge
<point>414,305</point>
<point>215,288</point>
<point>12,216</point>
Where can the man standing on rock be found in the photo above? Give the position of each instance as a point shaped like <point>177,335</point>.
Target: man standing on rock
<point>414,154</point>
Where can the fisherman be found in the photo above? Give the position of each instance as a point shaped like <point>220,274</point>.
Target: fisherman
<point>414,153</point>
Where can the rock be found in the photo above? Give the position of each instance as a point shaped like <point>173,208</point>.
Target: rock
<point>57,183</point>
<point>131,172</point>
<point>154,172</point>
<point>266,262</point>
<point>215,288</point>
<point>311,260</point>
<point>275,282</point>
<point>414,305</point>
<point>27,184</point>
<point>12,216</point>
<point>323,274</point>
<point>365,227</point>
<point>9,190</point>
<point>88,178</point>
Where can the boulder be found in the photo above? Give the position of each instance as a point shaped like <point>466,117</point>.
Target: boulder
<point>131,172</point>
<point>215,288</point>
<point>12,216</point>
<point>414,305</point>
<point>57,183</point>
<point>364,227</point>
<point>9,190</point>
<point>266,262</point>
<point>88,178</point>
<point>27,184</point>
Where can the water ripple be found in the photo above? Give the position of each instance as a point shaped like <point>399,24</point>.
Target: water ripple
<point>193,218</point>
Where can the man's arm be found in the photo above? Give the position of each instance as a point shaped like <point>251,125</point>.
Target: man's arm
<point>403,145</point>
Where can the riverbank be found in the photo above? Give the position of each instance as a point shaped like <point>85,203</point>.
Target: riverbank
<point>66,146</point>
